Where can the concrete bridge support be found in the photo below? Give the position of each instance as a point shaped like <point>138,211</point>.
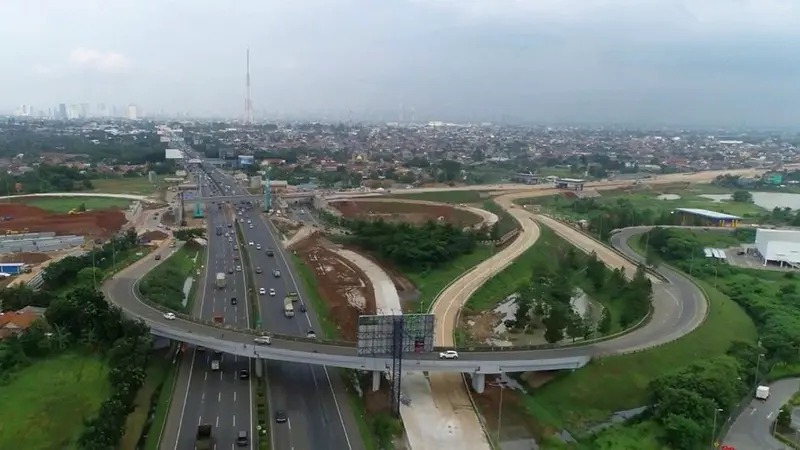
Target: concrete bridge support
<point>376,380</point>
<point>478,382</point>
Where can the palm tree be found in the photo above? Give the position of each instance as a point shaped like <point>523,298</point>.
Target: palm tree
<point>61,338</point>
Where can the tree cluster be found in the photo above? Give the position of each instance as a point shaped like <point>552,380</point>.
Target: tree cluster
<point>83,267</point>
<point>686,402</point>
<point>548,296</point>
<point>187,234</point>
<point>83,319</point>
<point>411,247</point>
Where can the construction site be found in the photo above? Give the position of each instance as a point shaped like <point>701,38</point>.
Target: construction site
<point>345,289</point>
<point>21,219</point>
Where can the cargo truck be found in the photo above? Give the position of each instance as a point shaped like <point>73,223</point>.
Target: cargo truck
<point>762,392</point>
<point>288,307</point>
<point>292,295</point>
<point>220,280</point>
<point>203,439</point>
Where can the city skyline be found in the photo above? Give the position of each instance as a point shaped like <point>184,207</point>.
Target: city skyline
<point>653,61</point>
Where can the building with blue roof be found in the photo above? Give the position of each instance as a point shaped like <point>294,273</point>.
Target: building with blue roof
<point>707,218</point>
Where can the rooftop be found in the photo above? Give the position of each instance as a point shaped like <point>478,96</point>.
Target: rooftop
<point>707,213</point>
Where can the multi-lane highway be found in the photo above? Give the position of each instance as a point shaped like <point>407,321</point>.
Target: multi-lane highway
<point>221,398</point>
<point>313,397</point>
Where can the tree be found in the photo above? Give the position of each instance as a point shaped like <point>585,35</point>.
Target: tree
<point>555,321</point>
<point>784,418</point>
<point>742,197</point>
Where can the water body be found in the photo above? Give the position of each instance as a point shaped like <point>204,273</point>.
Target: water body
<point>766,200</point>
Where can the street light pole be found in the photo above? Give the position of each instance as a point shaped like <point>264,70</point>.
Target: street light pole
<point>500,408</point>
<point>714,427</point>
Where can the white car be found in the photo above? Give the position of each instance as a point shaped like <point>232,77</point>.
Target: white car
<point>250,243</point>
<point>263,340</point>
<point>272,292</point>
<point>169,316</point>
<point>262,291</point>
<point>238,268</point>
<point>250,226</point>
<point>235,247</point>
<point>258,246</point>
<point>248,221</point>
<point>449,354</point>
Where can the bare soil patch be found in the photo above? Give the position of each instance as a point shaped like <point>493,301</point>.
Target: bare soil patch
<point>23,218</point>
<point>415,213</point>
<point>27,258</point>
<point>342,285</point>
<point>155,235</point>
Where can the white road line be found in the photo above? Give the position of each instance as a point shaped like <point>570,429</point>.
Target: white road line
<point>219,396</point>
<point>203,396</point>
<point>217,424</point>
<point>205,376</point>
<point>234,395</point>
<point>199,421</point>
<point>234,420</point>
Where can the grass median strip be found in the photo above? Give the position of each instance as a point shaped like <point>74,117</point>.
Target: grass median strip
<point>164,284</point>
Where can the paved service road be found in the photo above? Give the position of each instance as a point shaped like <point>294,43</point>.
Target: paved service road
<point>752,429</point>
<point>319,416</point>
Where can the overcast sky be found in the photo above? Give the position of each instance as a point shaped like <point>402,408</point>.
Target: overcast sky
<point>693,62</point>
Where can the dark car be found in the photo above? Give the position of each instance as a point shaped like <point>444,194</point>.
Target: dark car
<point>280,416</point>
<point>270,253</point>
<point>242,439</point>
<point>244,374</point>
<point>233,300</point>
<point>302,308</point>
<point>158,257</point>
<point>230,270</point>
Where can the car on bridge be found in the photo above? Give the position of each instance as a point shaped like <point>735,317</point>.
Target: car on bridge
<point>263,340</point>
<point>448,354</point>
<point>169,316</point>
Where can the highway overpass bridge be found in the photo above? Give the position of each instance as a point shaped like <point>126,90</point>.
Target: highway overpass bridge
<point>122,290</point>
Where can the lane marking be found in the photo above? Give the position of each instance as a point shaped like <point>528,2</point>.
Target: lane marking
<point>219,396</point>
<point>217,424</point>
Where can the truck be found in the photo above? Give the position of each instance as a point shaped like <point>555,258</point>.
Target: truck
<point>221,280</point>
<point>203,440</point>
<point>292,295</point>
<point>762,392</point>
<point>288,307</point>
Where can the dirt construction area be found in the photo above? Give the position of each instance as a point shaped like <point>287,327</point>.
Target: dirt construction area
<point>415,213</point>
<point>343,287</point>
<point>29,219</point>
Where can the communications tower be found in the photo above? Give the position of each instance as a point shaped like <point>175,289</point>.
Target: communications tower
<point>248,103</point>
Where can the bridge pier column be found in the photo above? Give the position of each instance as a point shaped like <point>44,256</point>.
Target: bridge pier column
<point>376,380</point>
<point>478,382</point>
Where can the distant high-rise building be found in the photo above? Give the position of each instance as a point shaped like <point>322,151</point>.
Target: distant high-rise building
<point>62,111</point>
<point>133,112</point>
<point>84,111</point>
<point>73,112</point>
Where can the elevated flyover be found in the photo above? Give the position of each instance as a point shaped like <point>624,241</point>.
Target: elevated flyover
<point>122,290</point>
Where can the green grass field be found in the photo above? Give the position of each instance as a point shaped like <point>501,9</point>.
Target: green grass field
<point>44,406</point>
<point>136,186</point>
<point>65,204</point>
<point>575,401</point>
<point>431,282</point>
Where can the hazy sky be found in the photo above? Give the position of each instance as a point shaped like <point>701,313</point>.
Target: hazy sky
<point>731,62</point>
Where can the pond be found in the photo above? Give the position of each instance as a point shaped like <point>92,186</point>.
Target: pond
<point>766,200</point>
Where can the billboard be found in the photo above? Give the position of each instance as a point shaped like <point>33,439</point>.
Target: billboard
<point>173,153</point>
<point>376,334</point>
<point>246,160</point>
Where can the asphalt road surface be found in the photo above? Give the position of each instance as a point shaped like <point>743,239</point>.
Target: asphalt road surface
<point>752,429</point>
<point>313,396</point>
<point>219,398</point>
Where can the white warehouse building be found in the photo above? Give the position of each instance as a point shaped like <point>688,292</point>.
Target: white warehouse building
<point>779,246</point>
